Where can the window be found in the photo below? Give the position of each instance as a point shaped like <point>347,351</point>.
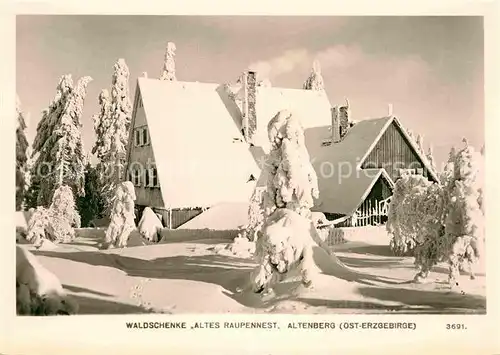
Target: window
<point>145,137</point>
<point>137,138</point>
<point>140,103</point>
<point>141,136</point>
<point>137,177</point>
<point>146,178</point>
<point>154,177</point>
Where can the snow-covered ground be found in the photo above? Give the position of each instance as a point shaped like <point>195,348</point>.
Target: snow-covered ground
<point>203,276</point>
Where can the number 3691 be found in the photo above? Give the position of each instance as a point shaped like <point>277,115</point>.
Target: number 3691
<point>455,326</point>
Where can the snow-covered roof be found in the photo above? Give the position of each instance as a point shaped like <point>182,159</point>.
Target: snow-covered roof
<point>312,107</point>
<point>200,157</point>
<point>357,144</point>
<point>351,149</point>
<point>341,181</point>
<point>343,195</point>
<point>223,216</point>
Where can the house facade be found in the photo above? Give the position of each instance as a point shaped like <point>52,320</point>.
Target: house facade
<point>196,145</point>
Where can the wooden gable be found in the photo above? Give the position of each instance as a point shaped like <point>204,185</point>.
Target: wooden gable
<point>393,152</point>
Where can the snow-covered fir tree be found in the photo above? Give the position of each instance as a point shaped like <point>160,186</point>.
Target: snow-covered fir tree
<point>430,157</point>
<point>292,181</point>
<point>22,146</point>
<point>315,80</point>
<point>168,71</point>
<point>27,176</point>
<point>441,222</point>
<point>411,135</point>
<point>122,217</point>
<point>64,215</point>
<point>420,143</point>
<point>102,123</point>
<point>57,222</point>
<point>58,143</point>
<point>286,234</point>
<point>111,126</point>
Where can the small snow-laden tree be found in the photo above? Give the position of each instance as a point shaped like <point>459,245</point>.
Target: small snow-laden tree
<point>57,222</point>
<point>64,216</point>
<point>38,225</point>
<point>315,79</point>
<point>58,143</point>
<point>122,216</point>
<point>416,210</point>
<point>22,146</point>
<point>465,220</point>
<point>150,226</point>
<point>168,71</point>
<point>444,221</point>
<point>420,143</point>
<point>287,233</point>
<point>430,157</point>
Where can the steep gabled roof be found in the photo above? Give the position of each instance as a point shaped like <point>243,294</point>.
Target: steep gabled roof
<point>351,149</point>
<point>199,154</point>
<point>342,182</point>
<point>344,194</point>
<point>354,148</point>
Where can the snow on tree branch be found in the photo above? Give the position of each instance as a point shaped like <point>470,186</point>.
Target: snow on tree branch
<point>22,157</point>
<point>315,79</point>
<point>440,222</point>
<point>58,143</point>
<point>168,71</point>
<point>111,126</point>
<point>56,223</point>
<point>122,216</point>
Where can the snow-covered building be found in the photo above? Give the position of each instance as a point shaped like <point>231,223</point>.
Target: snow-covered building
<point>356,172</point>
<point>194,145</point>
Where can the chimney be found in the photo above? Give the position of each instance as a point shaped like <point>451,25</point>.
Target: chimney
<point>335,125</point>
<point>249,110</point>
<point>145,74</point>
<point>389,107</point>
<point>343,113</point>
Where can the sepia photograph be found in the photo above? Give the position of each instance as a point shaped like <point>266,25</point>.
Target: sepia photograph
<point>250,165</point>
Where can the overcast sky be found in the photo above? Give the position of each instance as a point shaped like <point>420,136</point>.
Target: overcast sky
<point>429,68</point>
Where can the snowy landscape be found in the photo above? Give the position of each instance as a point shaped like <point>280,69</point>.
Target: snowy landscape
<point>198,197</point>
